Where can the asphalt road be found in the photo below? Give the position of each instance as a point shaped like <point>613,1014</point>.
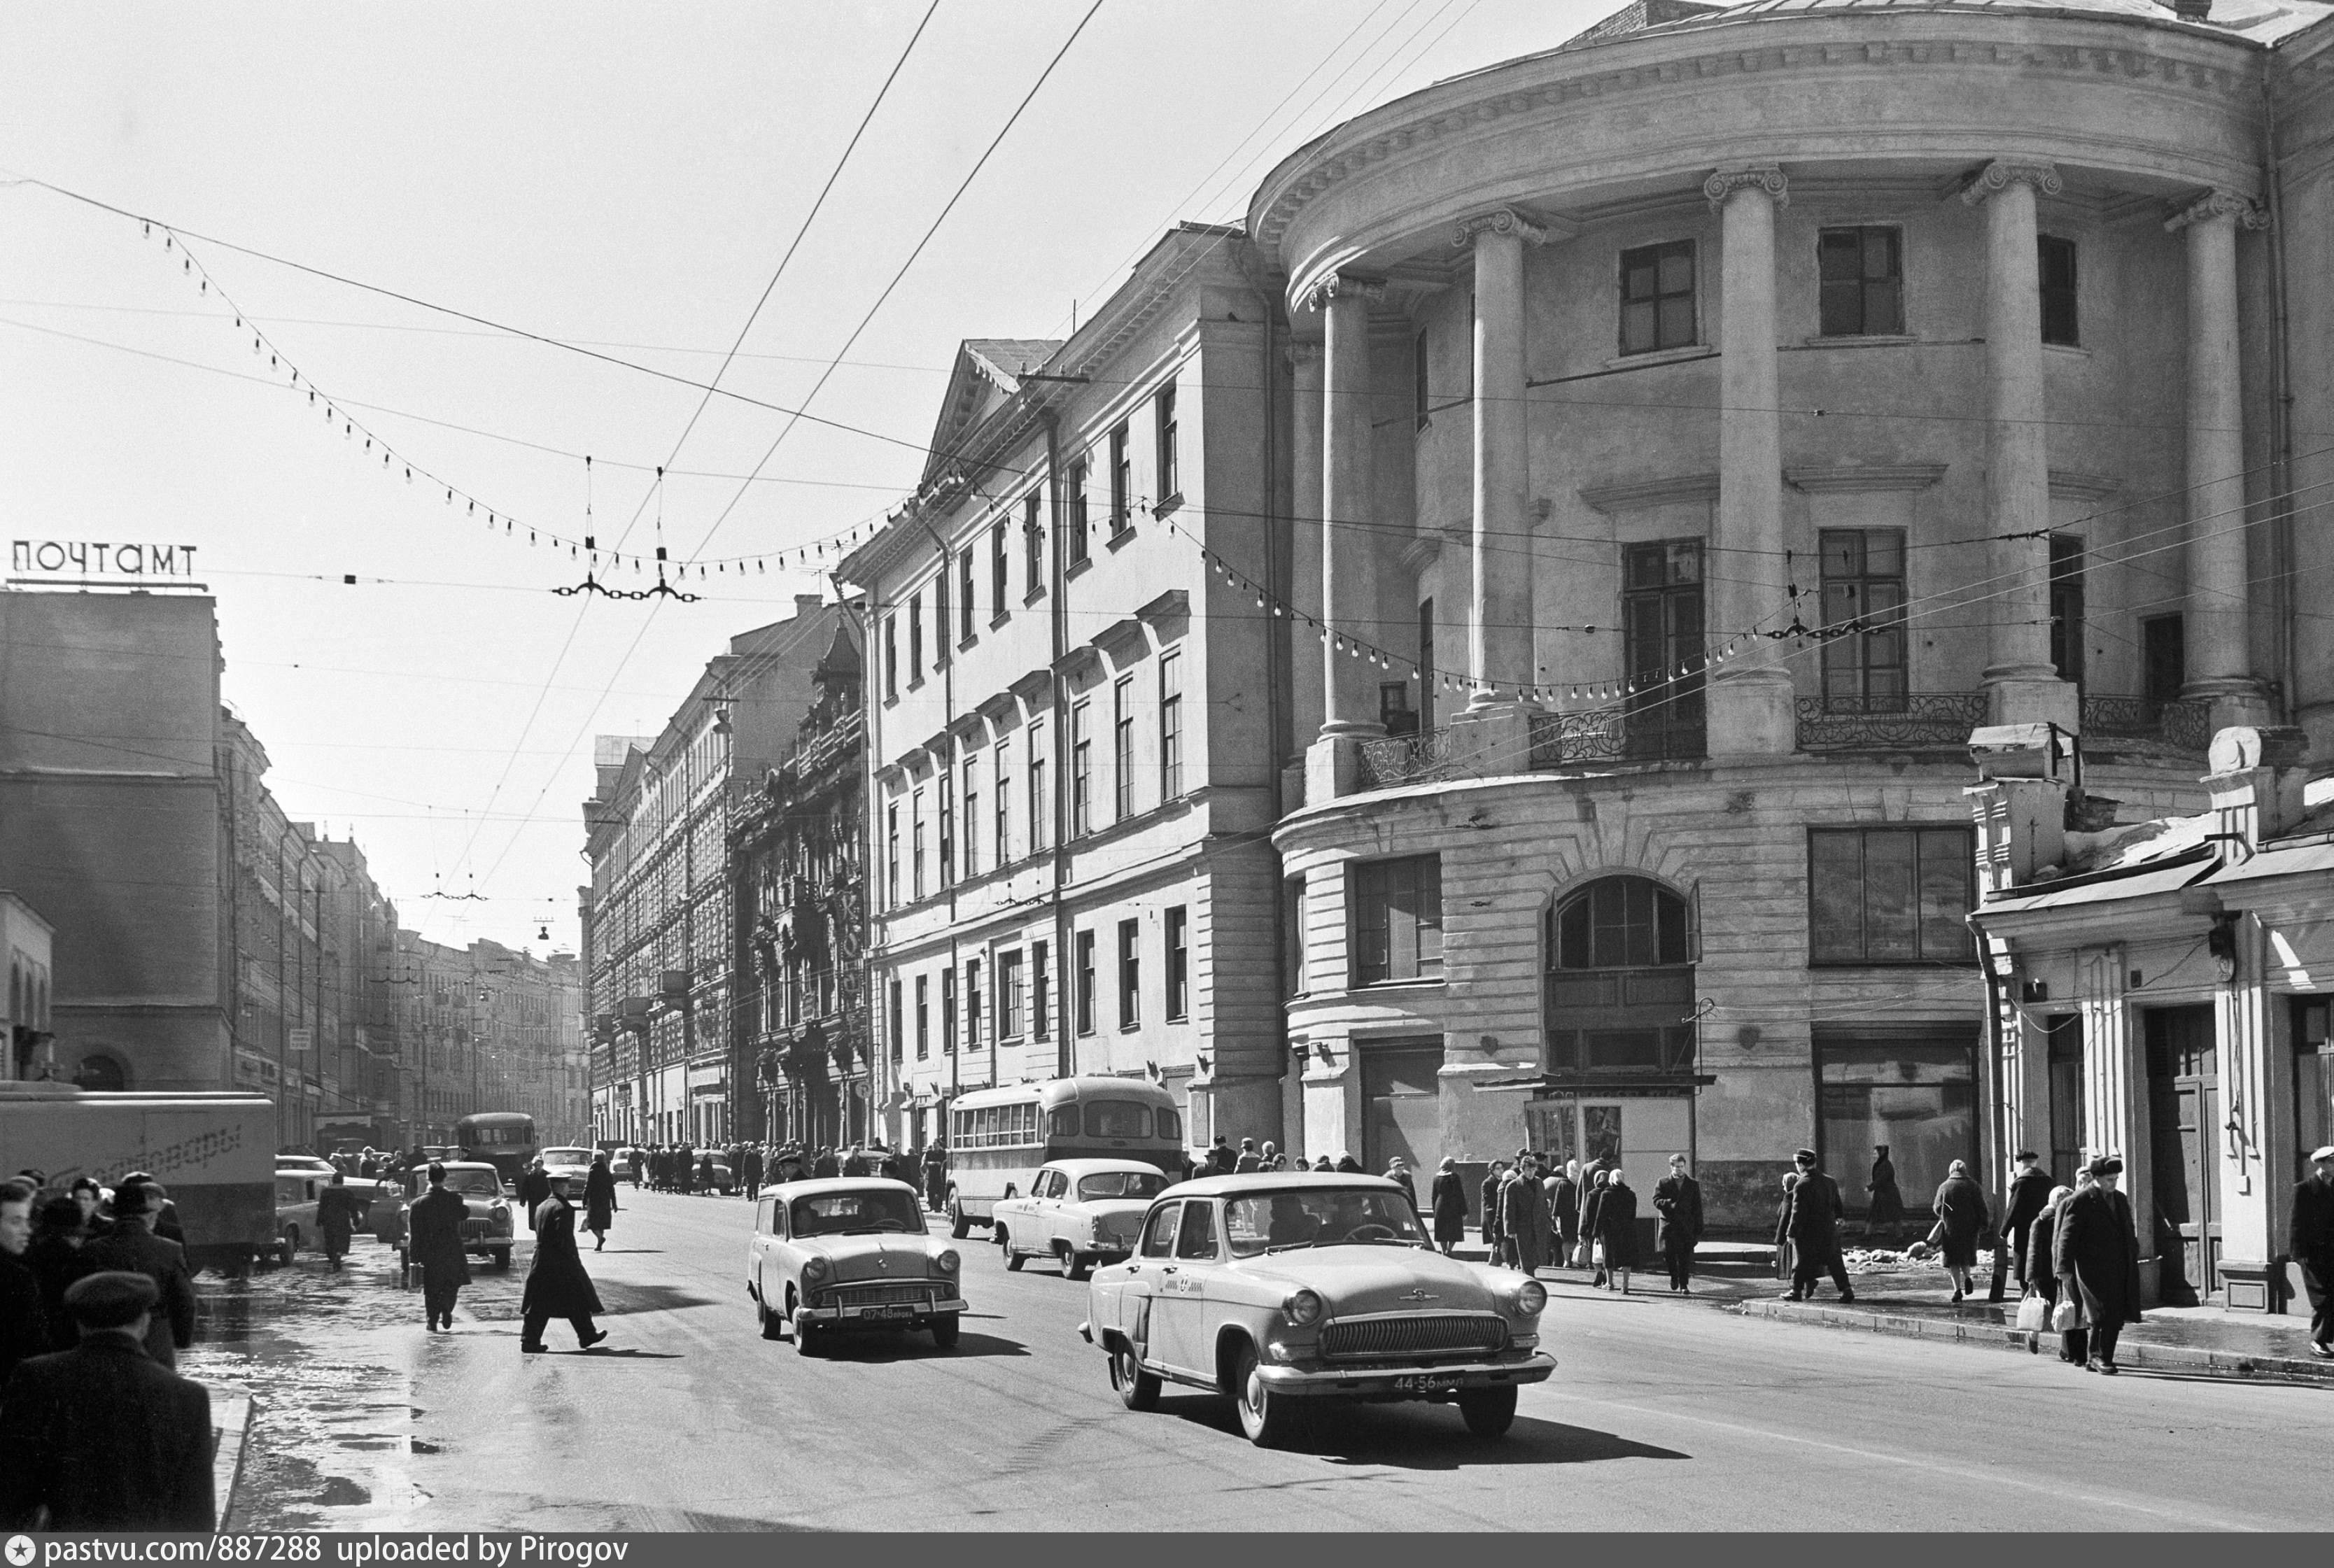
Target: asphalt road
<point>1662,1415</point>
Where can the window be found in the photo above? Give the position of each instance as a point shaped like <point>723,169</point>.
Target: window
<point>915,636</point>
<point>1398,920</point>
<point>1086,983</point>
<point>965,612</point>
<point>940,614</point>
<point>971,817</point>
<point>946,821</point>
<point>1121,482</point>
<point>1170,487</point>
<point>899,1040</point>
<point>2313,1079</point>
<point>1620,993</point>
<point>891,656</point>
<point>1864,580</point>
<point>948,1011</point>
<point>1171,723</point>
<point>2162,658</point>
<point>1041,807</point>
<point>1000,770</point>
<point>2056,269</point>
<point>1292,928</point>
<point>923,1017</point>
<point>1888,895</point>
<point>1041,1012</point>
<point>1159,1236</point>
<point>1890,1086</point>
<point>1079,520</point>
<point>1621,923</point>
<point>1421,405</point>
<point>1657,297</point>
<point>916,829</point>
<point>2066,609</point>
<point>1425,664</point>
<point>1130,973</point>
<point>972,1003</point>
<point>1122,745</point>
<point>1033,541</point>
<point>1861,281</point>
<point>1081,771</point>
<point>1661,633</point>
<point>891,855</point>
<point>998,569</point>
<point>1197,1238</point>
<point>1008,995</point>
<point>1179,964</point>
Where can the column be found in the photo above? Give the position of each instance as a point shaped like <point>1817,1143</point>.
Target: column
<point>1501,657</point>
<point>2216,617</point>
<point>1305,541</point>
<point>2022,685</point>
<point>1349,578</point>
<point>1750,701</point>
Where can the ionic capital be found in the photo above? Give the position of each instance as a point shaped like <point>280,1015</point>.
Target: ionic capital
<point>1345,286</point>
<point>1724,182</point>
<point>2004,172</point>
<point>2218,203</point>
<point>1499,220</point>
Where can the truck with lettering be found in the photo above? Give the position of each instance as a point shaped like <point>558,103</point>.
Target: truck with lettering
<point>213,1153</point>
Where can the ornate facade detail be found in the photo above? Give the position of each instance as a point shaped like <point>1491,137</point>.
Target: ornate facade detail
<point>2219,203</point>
<point>1724,182</point>
<point>2003,172</point>
<point>1345,286</point>
<point>1499,220</point>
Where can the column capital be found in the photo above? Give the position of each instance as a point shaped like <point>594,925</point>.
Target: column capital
<point>1724,182</point>
<point>1501,220</point>
<point>2218,203</point>
<point>1345,286</point>
<point>2004,172</point>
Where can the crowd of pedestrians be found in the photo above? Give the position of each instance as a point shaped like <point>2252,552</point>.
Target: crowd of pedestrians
<point>746,1167</point>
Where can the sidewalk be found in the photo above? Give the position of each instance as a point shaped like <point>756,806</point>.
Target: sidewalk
<point>231,1431</point>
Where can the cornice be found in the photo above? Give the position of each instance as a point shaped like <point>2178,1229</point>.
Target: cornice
<point>2079,487</point>
<point>1034,687</point>
<point>1651,492</point>
<point>1851,478</point>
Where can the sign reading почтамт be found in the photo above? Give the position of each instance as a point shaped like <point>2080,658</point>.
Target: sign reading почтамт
<point>84,558</point>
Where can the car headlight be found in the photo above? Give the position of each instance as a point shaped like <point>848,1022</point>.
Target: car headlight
<point>946,1261</point>
<point>500,1210</point>
<point>814,1270</point>
<point>1531,1297</point>
<point>1303,1308</point>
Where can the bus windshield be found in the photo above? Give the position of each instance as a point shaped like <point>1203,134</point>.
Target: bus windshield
<point>1279,1221</point>
<point>1117,1119</point>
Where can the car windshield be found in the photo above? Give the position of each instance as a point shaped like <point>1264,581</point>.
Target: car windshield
<point>566,1157</point>
<point>474,1183</point>
<point>858,1213</point>
<point>1278,1221</point>
<point>1122,1184</point>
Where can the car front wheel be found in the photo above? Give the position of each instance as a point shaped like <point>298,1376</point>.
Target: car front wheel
<point>1490,1412</point>
<point>502,1258</point>
<point>945,1331</point>
<point>1013,1259</point>
<point>770,1322</point>
<point>959,1225</point>
<point>1268,1420</point>
<point>1137,1390</point>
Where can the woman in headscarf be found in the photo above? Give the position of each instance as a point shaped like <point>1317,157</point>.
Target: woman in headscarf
<point>1494,1244</point>
<point>1449,1195</point>
<point>2041,1279</point>
<point>1887,1203</point>
<point>1592,1208</point>
<point>600,1200</point>
<point>1960,1217</point>
<point>1563,1188</point>
<point>1616,1227</point>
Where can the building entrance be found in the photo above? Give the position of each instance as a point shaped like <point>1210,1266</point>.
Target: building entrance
<point>1402,1105</point>
<point>2183,1098</point>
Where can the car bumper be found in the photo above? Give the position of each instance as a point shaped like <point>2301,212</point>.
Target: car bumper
<point>880,1316</point>
<point>1321,1381</point>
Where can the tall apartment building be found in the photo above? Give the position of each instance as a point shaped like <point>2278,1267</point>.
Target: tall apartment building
<point>660,929</point>
<point>491,1028</point>
<point>1071,714</point>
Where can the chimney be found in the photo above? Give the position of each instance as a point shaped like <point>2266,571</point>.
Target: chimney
<point>2256,783</point>
<point>2191,10</point>
<point>2022,806</point>
<point>808,604</point>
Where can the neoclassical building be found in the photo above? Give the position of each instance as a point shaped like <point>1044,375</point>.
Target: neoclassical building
<point>1700,429</point>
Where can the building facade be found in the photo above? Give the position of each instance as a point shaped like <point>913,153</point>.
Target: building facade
<point>803,1045</point>
<point>491,1028</point>
<point>658,922</point>
<point>1713,422</point>
<point>1071,713</point>
<point>28,944</point>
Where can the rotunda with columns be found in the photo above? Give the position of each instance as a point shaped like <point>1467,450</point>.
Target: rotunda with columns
<point>1700,429</point>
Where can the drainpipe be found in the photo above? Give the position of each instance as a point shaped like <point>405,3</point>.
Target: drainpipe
<point>1991,1078</point>
<point>1058,624</point>
<point>2281,408</point>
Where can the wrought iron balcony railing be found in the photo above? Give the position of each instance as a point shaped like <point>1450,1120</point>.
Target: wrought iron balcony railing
<point>1915,721</point>
<point>1405,759</point>
<point>2185,726</point>
<point>1607,735</point>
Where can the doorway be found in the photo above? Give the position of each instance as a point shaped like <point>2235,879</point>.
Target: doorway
<point>1401,1104</point>
<point>2184,1101</point>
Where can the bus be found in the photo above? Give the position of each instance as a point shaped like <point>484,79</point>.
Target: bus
<point>504,1138</point>
<point>997,1138</point>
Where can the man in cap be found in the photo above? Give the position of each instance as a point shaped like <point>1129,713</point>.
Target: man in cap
<point>433,1242</point>
<point>2097,1252</point>
<point>2309,1240</point>
<point>1810,1221</point>
<point>1246,1162</point>
<point>556,1285</point>
<point>2029,1194</point>
<point>98,1436</point>
<point>134,1248</point>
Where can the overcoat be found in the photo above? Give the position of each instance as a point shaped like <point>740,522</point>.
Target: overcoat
<point>2040,1277</point>
<point>1491,1208</point>
<point>24,1318</point>
<point>134,1250</point>
<point>556,1285</point>
<point>2311,1236</point>
<point>105,1439</point>
<point>1616,1224</point>
<point>533,1187</point>
<point>1887,1203</point>
<point>1810,1219</point>
<point>1450,1197</point>
<point>1961,1209</point>
<point>336,1217</point>
<point>599,1199</point>
<point>1524,1220</point>
<point>1678,1200</point>
<point>2029,1194</point>
<point>2098,1248</point>
<point>1592,1204</point>
<point>433,1237</point>
<point>1563,1203</point>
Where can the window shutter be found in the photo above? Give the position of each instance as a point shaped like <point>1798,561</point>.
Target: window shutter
<point>1694,924</point>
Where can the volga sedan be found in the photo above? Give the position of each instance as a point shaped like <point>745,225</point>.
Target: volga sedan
<point>1277,1289</point>
<point>849,1253</point>
<point>486,1227</point>
<point>1079,1213</point>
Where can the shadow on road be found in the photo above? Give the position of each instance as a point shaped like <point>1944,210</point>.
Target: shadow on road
<point>1415,1437</point>
<point>615,1301</point>
<point>912,1346</point>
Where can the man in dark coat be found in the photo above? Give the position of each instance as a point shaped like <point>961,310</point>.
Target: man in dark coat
<point>1616,1229</point>
<point>336,1217</point>
<point>1888,1207</point>
<point>24,1318</point>
<point>684,1169</point>
<point>1677,1198</point>
<point>533,1187</point>
<point>134,1248</point>
<point>433,1242</point>
<point>1960,1204</point>
<point>2098,1255</point>
<point>99,1437</point>
<point>599,1201</point>
<point>1448,1196</point>
<point>1810,1223</point>
<point>166,1220</point>
<point>1494,1243</point>
<point>2029,1190</point>
<point>556,1285</point>
<point>749,1171</point>
<point>2309,1241</point>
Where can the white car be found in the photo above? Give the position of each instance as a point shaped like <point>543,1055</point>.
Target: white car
<point>1079,1213</point>
<point>849,1253</point>
<point>305,1164</point>
<point>575,1164</point>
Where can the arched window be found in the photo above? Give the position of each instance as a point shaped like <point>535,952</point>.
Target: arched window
<point>1620,982</point>
<point>100,1073</point>
<point>1620,923</point>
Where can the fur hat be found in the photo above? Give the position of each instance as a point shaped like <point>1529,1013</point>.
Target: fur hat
<point>2105,1165</point>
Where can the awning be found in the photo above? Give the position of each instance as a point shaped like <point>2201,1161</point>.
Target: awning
<point>2168,879</point>
<point>2301,859</point>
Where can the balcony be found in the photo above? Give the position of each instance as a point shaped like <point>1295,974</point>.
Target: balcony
<point>1915,721</point>
<point>1405,759</point>
<point>1661,731</point>
<point>2115,723</point>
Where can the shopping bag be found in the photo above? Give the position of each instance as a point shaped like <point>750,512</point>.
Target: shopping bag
<point>2067,1317</point>
<point>2033,1314</point>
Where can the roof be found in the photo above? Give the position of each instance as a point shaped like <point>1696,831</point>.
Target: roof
<point>2279,859</point>
<point>2104,890</point>
<point>1279,1181</point>
<point>816,1185</point>
<point>2255,21</point>
<point>1085,1167</point>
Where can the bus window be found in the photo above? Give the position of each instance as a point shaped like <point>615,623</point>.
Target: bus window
<point>1061,1122</point>
<point>1170,1126</point>
<point>1117,1119</point>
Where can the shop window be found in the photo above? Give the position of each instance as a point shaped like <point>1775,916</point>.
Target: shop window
<point>1657,306</point>
<point>2313,1081</point>
<point>1864,582</point>
<point>1860,274</point>
<point>1398,920</point>
<point>1914,1096</point>
<point>2056,257</point>
<point>1889,895</point>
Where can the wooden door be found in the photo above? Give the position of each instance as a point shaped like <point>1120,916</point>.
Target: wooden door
<point>2183,1103</point>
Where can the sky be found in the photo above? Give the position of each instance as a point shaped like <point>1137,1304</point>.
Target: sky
<point>622,178</point>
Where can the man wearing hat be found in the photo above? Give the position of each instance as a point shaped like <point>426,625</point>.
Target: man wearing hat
<point>133,1247</point>
<point>98,1436</point>
<point>1811,1222</point>
<point>556,1285</point>
<point>433,1242</point>
<point>2309,1241</point>
<point>2029,1194</point>
<point>2098,1253</point>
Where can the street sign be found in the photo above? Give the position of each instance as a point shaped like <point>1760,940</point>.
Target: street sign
<point>304,1039</point>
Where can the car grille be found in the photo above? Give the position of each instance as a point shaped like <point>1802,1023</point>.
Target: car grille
<point>913,1291</point>
<point>1415,1334</point>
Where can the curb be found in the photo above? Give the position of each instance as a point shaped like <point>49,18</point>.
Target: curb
<point>232,1407</point>
<point>2130,1353</point>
